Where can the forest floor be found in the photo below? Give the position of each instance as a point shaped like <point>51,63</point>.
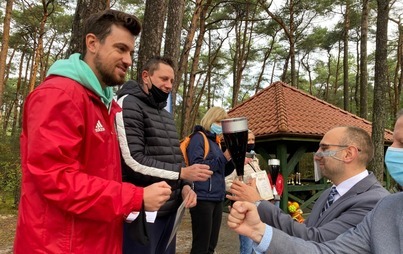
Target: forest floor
<point>7,232</point>
<point>228,242</point>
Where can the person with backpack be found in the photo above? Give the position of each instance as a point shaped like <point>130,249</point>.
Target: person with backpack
<point>207,214</point>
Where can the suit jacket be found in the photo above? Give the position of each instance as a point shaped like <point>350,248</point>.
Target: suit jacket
<point>380,232</point>
<point>346,212</point>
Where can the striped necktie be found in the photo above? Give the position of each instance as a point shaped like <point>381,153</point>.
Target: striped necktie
<point>330,199</point>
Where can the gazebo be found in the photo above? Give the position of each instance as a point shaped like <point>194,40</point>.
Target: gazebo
<point>289,124</point>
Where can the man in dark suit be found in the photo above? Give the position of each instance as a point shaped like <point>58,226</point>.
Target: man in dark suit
<point>381,231</point>
<point>343,154</point>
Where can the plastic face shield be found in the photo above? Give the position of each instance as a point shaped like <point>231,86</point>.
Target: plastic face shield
<point>323,154</point>
<point>329,153</point>
<point>317,172</point>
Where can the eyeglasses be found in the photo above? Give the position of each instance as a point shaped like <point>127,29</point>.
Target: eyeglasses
<point>326,145</point>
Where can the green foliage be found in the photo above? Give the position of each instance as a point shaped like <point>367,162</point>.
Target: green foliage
<point>9,150</point>
<point>314,40</point>
<point>8,205</point>
<point>10,173</point>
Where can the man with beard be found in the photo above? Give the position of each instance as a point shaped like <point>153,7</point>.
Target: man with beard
<point>150,151</point>
<point>72,198</point>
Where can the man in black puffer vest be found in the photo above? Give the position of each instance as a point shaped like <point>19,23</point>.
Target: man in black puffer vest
<point>150,151</point>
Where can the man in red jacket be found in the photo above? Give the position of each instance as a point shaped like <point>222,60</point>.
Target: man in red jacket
<point>72,198</point>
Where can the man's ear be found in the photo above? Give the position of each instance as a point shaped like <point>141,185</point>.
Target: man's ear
<point>91,41</point>
<point>145,76</point>
<point>351,154</point>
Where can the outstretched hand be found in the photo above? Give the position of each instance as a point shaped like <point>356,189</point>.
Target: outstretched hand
<point>244,192</point>
<point>196,172</point>
<point>244,219</point>
<point>155,195</point>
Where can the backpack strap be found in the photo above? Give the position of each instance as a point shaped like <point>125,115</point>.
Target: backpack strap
<point>206,144</point>
<point>218,141</point>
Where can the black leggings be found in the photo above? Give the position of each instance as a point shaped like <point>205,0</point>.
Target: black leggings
<point>206,222</point>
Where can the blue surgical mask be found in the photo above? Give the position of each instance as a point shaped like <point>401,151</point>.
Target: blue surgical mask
<point>215,128</point>
<point>394,163</point>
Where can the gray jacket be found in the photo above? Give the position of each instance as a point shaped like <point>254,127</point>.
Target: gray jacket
<point>345,213</point>
<point>380,232</point>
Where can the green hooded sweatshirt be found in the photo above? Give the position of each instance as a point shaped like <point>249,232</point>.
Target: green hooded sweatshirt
<point>78,70</point>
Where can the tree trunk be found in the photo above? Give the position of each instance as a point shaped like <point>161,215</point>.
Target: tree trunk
<point>381,69</point>
<point>307,67</point>
<point>39,49</point>
<point>356,88</point>
<point>83,10</point>
<point>26,75</point>
<point>45,60</point>
<point>4,50</point>
<point>213,58</point>
<point>336,82</point>
<point>364,61</point>
<point>243,30</point>
<point>18,94</point>
<point>209,72</point>
<point>291,39</point>
<point>329,73</point>
<point>151,35</point>
<point>176,10</point>
<point>183,62</point>
<point>189,105</point>
<point>7,108</point>
<point>8,66</point>
<point>262,69</point>
<point>397,78</point>
<point>345,58</point>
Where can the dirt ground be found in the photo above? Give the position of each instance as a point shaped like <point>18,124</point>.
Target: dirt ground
<point>228,242</point>
<point>7,232</point>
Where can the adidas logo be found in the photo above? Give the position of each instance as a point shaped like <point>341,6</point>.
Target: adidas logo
<point>99,127</point>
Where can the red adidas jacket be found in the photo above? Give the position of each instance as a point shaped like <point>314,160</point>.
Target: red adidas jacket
<point>72,197</point>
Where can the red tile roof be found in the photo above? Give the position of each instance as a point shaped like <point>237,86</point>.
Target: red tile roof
<point>282,110</point>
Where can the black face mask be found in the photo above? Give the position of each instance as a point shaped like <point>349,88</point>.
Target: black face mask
<point>158,95</point>
<point>250,147</point>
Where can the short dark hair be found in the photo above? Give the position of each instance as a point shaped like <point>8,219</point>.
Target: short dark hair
<point>362,139</point>
<point>100,24</point>
<point>152,64</point>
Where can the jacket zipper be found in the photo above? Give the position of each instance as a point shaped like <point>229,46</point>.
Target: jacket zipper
<point>166,132</point>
